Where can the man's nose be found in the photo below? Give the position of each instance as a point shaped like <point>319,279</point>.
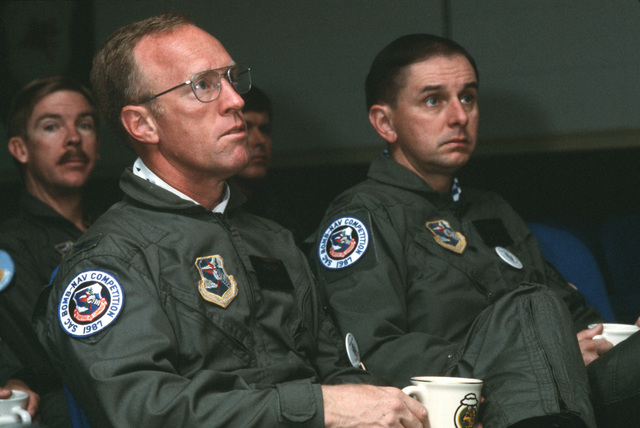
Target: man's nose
<point>257,137</point>
<point>458,114</point>
<point>73,136</point>
<point>229,98</point>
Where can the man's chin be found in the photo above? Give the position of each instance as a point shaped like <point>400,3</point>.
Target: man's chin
<point>253,172</point>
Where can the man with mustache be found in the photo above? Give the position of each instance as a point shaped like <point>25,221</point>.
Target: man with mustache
<point>53,139</point>
<point>212,315</point>
<point>439,279</point>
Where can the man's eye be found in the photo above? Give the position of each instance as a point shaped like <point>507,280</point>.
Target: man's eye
<point>50,127</point>
<point>431,101</point>
<point>87,126</point>
<point>204,85</point>
<point>265,129</point>
<point>468,99</point>
<point>201,85</point>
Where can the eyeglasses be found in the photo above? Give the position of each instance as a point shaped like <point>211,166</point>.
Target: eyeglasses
<point>206,85</point>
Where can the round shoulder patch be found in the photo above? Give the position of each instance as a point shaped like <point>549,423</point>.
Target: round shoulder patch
<point>91,301</point>
<point>7,269</point>
<point>343,243</point>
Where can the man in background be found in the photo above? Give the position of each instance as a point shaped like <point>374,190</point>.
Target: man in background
<point>258,115</point>
<point>53,139</point>
<point>263,198</point>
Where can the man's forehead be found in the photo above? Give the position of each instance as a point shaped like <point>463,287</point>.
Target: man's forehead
<point>62,102</point>
<point>442,68</point>
<point>185,50</point>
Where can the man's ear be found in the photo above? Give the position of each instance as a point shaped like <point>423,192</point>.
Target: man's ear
<point>380,116</point>
<point>18,148</point>
<point>140,124</point>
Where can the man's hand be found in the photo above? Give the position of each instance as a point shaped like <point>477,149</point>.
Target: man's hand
<point>592,348</point>
<point>34,399</point>
<point>371,406</point>
<point>5,393</point>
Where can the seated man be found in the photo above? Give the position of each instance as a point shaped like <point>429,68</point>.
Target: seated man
<point>52,127</point>
<point>176,308</point>
<point>435,279</point>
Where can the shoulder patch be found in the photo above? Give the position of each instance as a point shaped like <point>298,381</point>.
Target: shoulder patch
<point>90,303</point>
<point>343,243</point>
<point>7,268</point>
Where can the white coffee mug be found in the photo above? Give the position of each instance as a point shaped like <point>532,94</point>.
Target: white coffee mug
<point>616,333</point>
<point>452,402</point>
<point>12,409</point>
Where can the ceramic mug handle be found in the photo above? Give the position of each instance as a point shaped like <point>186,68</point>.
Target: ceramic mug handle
<point>414,391</point>
<point>23,414</point>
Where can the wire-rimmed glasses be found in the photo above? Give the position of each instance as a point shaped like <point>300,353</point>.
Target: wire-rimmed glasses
<point>206,85</point>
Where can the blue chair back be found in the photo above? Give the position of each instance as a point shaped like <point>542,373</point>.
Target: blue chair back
<point>78,418</point>
<point>573,259</point>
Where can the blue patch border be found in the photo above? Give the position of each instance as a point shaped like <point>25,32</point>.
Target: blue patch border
<point>8,269</point>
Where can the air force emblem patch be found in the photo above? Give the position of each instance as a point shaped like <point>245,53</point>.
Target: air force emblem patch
<point>446,237</point>
<point>91,301</point>
<point>343,243</point>
<point>215,285</point>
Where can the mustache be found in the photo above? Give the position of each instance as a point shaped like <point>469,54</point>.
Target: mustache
<point>73,155</point>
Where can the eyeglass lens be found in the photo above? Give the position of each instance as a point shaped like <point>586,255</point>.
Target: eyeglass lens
<point>206,85</point>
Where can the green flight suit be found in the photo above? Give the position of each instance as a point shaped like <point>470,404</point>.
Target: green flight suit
<point>429,286</point>
<point>169,357</point>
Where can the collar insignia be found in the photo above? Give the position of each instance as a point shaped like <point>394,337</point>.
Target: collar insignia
<point>215,285</point>
<point>64,247</point>
<point>447,237</point>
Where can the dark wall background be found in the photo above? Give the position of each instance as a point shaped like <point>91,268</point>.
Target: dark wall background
<point>548,67</point>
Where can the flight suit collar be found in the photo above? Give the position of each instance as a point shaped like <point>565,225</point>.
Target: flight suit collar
<point>154,196</point>
<point>388,171</point>
<point>34,207</point>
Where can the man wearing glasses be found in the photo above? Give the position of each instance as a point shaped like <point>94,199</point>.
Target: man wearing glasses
<point>177,308</point>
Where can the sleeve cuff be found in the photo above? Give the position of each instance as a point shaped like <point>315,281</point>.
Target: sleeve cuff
<point>301,402</point>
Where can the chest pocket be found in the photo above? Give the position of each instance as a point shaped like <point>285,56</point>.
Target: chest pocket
<point>493,232</point>
<point>479,262</point>
<point>204,326</point>
<point>271,274</point>
<point>277,289</point>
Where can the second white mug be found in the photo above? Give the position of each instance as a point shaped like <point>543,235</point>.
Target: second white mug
<point>12,409</point>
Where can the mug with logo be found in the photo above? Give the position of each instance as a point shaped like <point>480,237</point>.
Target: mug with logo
<point>452,402</point>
